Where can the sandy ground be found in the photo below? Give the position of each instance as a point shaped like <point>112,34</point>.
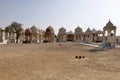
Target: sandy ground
<point>52,61</point>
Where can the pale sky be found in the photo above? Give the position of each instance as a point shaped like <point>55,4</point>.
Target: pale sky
<point>61,13</point>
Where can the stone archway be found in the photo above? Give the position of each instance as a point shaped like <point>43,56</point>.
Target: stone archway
<point>70,37</point>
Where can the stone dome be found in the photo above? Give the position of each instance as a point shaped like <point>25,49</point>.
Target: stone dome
<point>62,30</point>
<point>78,29</point>
<point>109,26</point>
<point>94,30</point>
<point>88,30</point>
<point>50,29</point>
<point>28,31</point>
<point>34,30</point>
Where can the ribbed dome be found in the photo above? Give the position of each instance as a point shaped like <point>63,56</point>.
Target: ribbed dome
<point>109,24</point>
<point>62,29</point>
<point>50,29</point>
<point>28,31</point>
<point>34,30</point>
<point>88,30</point>
<point>78,29</point>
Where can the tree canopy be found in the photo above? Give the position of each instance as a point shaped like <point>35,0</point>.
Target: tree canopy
<point>16,28</point>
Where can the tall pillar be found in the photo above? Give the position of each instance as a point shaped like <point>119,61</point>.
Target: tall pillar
<point>114,32</point>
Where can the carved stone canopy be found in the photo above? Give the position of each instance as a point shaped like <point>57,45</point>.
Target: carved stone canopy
<point>62,31</point>
<point>50,29</point>
<point>78,30</point>
<point>109,26</point>
<point>28,31</point>
<point>88,31</point>
<point>34,30</point>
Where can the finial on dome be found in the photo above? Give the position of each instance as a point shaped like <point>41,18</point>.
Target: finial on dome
<point>109,20</point>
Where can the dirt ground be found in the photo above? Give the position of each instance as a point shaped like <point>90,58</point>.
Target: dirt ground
<point>54,61</point>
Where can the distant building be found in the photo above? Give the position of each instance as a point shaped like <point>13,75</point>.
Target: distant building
<point>49,34</point>
<point>28,35</point>
<point>110,34</point>
<point>78,34</point>
<point>62,35</point>
<point>2,36</point>
<point>109,30</point>
<point>36,35</point>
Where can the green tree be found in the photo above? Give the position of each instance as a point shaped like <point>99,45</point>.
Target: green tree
<point>15,27</point>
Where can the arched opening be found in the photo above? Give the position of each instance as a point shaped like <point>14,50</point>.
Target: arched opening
<point>106,33</point>
<point>112,33</point>
<point>70,37</point>
<point>117,41</point>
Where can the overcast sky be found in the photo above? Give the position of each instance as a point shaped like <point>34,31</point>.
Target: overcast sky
<point>61,13</point>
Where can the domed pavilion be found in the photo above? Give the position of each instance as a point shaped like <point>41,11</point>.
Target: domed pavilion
<point>49,34</point>
<point>35,34</point>
<point>109,29</point>
<point>110,34</point>
<point>88,35</point>
<point>62,37</point>
<point>78,35</point>
<point>28,35</point>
